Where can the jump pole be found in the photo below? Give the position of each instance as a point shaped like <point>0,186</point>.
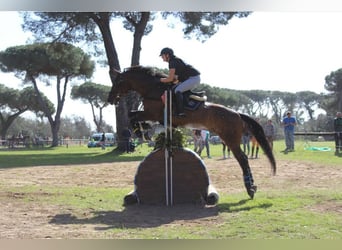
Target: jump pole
<point>168,147</point>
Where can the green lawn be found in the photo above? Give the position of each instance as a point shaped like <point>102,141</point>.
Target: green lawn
<point>82,154</point>
<point>273,214</point>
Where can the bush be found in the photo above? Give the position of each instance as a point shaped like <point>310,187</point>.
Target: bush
<point>178,140</point>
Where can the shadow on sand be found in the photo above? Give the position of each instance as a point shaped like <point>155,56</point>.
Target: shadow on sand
<point>148,216</point>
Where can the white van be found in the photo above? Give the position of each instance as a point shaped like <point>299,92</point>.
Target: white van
<point>95,140</point>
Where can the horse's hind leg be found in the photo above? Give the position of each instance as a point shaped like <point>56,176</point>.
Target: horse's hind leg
<point>242,158</point>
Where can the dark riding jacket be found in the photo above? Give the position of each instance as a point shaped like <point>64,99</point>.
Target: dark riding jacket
<point>182,70</point>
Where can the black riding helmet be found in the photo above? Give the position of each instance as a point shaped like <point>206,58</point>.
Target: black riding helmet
<point>166,51</point>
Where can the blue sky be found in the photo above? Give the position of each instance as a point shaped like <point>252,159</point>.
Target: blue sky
<point>286,51</point>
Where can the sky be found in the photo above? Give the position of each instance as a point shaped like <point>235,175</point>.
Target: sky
<point>285,51</point>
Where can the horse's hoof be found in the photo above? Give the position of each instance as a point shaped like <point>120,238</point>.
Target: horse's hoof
<point>252,191</point>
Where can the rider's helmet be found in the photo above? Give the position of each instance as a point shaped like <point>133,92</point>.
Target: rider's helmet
<point>166,51</point>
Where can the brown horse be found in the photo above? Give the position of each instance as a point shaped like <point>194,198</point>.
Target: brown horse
<point>226,123</point>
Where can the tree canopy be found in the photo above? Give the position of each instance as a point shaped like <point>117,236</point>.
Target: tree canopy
<point>96,95</point>
<point>36,61</point>
<point>14,102</point>
<point>49,59</point>
<point>333,84</point>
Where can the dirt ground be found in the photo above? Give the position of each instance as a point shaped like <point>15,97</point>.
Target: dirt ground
<point>28,220</point>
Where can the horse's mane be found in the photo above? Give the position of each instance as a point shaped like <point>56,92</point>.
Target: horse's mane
<point>150,71</point>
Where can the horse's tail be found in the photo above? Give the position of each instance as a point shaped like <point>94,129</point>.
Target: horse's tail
<point>256,129</point>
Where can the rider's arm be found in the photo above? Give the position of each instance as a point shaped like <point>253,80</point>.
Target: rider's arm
<point>170,78</point>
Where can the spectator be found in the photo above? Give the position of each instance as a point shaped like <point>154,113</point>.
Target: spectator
<point>270,133</point>
<point>205,134</point>
<point>224,147</point>
<point>126,134</point>
<point>103,141</point>
<point>197,141</point>
<point>338,133</point>
<point>289,124</point>
<point>255,146</point>
<point>245,142</point>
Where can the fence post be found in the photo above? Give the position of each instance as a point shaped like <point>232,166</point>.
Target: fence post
<point>168,146</point>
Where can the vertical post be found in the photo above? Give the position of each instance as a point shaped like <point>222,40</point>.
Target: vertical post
<point>166,101</point>
<point>168,147</point>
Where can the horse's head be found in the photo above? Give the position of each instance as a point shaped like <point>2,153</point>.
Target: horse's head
<point>118,87</point>
<point>143,80</point>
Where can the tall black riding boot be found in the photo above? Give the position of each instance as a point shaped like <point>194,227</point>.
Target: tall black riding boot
<point>179,104</point>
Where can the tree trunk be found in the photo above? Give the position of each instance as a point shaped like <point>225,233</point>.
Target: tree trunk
<point>139,30</point>
<point>122,120</point>
<point>134,99</point>
<point>6,123</point>
<point>54,132</point>
<point>54,123</point>
<point>102,19</point>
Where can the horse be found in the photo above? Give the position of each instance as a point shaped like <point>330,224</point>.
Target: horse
<point>225,122</point>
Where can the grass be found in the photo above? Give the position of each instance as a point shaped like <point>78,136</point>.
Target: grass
<point>82,155</point>
<point>301,154</point>
<point>65,156</point>
<point>275,214</point>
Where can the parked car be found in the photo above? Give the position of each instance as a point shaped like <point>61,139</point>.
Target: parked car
<point>215,140</point>
<point>95,140</point>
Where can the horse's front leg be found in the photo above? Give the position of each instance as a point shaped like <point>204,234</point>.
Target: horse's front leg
<point>140,127</point>
<point>149,114</point>
<point>136,116</point>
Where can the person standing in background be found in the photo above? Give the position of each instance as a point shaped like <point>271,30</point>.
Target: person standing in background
<point>270,133</point>
<point>205,138</point>
<point>103,141</point>
<point>197,141</point>
<point>255,144</point>
<point>224,147</point>
<point>245,142</point>
<point>127,134</point>
<point>289,123</point>
<point>338,133</point>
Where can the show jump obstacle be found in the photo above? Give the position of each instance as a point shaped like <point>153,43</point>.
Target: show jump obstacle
<point>169,175</point>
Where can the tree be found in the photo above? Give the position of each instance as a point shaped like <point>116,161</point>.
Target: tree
<point>203,25</point>
<point>75,127</point>
<point>227,97</point>
<point>36,61</point>
<point>308,100</point>
<point>96,95</point>
<point>333,84</point>
<point>258,105</point>
<point>15,102</point>
<point>78,26</point>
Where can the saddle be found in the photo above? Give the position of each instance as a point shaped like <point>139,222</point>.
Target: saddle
<point>192,100</point>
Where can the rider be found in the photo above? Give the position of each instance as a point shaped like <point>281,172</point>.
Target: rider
<point>187,76</point>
